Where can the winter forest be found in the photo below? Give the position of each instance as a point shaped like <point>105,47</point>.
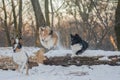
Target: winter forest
<point>60,39</point>
<point>93,20</point>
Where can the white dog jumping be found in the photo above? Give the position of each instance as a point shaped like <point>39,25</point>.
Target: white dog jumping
<point>48,38</point>
<point>19,56</point>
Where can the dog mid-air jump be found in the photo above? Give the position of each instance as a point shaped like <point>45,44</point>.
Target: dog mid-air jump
<point>20,57</point>
<point>48,37</point>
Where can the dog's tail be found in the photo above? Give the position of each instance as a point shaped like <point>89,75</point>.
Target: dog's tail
<point>85,46</point>
<point>79,52</point>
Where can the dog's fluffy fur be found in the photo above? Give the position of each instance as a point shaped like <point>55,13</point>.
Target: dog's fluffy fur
<point>19,56</point>
<point>48,38</point>
<point>78,45</point>
<point>39,56</point>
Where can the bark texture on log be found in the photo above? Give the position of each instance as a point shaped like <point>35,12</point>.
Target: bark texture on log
<point>7,63</point>
<point>79,60</point>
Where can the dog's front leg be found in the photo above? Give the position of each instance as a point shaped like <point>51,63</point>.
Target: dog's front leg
<point>27,68</point>
<point>22,67</point>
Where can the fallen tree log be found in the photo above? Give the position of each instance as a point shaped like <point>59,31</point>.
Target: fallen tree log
<point>81,60</point>
<point>7,62</point>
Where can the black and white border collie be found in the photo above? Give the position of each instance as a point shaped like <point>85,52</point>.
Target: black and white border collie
<point>78,45</point>
<point>19,55</point>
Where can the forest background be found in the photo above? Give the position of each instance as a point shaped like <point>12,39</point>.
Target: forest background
<point>94,20</point>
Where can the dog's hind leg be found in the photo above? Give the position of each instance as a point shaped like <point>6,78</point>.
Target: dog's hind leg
<point>18,68</point>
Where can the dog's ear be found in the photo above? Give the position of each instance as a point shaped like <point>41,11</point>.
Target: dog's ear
<point>41,29</point>
<point>51,32</point>
<point>20,40</point>
<point>76,34</point>
<point>71,35</point>
<point>12,41</point>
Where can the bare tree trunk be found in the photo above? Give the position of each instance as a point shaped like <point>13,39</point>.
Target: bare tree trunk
<point>5,24</point>
<point>117,25</point>
<point>15,19</point>
<point>47,12</point>
<point>20,19</point>
<point>40,21</point>
<point>52,16</point>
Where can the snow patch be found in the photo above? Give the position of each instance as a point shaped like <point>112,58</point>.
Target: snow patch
<point>47,72</point>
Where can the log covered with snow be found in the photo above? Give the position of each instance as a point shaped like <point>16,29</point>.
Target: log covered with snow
<point>89,57</point>
<point>83,60</point>
<point>60,57</point>
<point>6,61</point>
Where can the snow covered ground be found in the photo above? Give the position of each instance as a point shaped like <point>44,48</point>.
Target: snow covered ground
<point>47,72</point>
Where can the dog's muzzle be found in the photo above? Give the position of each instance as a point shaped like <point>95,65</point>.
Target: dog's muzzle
<point>17,46</point>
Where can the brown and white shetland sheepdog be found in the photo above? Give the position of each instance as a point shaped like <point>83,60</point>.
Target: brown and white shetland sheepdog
<point>48,37</point>
<point>20,57</point>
